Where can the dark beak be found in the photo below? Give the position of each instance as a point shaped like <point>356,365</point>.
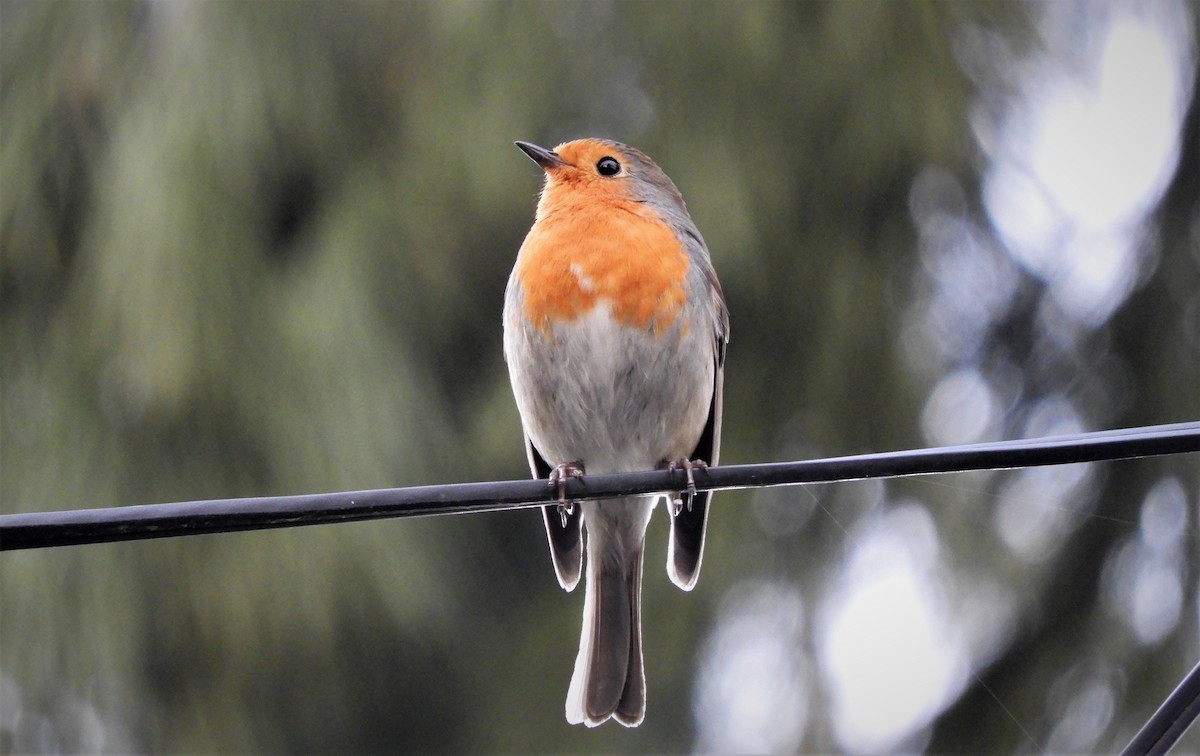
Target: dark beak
<point>540,155</point>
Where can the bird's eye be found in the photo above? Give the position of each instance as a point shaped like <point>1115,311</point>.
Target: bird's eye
<point>607,166</point>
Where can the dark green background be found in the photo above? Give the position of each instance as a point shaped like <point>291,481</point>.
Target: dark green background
<point>261,248</point>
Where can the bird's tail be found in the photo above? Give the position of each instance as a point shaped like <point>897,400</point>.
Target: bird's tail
<point>609,679</point>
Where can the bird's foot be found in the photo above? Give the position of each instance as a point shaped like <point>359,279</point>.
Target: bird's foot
<point>687,465</point>
<point>558,479</point>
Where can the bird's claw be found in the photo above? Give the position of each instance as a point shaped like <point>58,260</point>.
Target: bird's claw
<point>687,465</point>
<point>565,511</point>
<point>558,480</point>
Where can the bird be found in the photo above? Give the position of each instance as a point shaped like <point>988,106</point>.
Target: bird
<point>615,333</point>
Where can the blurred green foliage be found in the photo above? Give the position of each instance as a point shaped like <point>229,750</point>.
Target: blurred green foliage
<point>261,248</point>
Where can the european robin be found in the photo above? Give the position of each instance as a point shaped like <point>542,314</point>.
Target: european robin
<point>614,334</point>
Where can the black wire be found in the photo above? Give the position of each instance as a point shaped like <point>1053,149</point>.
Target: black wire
<point>84,526</point>
<point>45,529</point>
<point>1171,720</point>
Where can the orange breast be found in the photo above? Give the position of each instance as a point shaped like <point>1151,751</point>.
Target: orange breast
<point>576,257</point>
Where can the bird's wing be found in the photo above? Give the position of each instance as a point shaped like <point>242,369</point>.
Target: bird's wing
<point>686,547</point>
<point>564,536</point>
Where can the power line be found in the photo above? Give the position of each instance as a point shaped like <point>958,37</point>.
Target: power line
<point>85,526</point>
<point>1172,719</point>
